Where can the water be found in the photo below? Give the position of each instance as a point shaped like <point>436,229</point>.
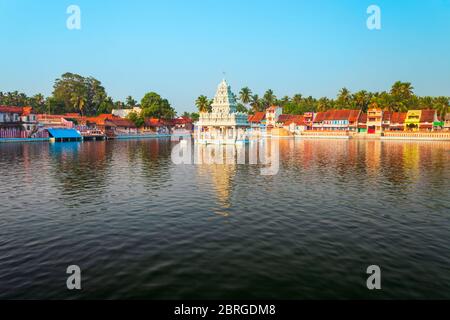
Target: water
<point>140,226</point>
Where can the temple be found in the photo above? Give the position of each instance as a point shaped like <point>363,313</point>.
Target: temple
<point>223,125</point>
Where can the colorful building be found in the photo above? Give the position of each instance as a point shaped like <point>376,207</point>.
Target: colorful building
<point>397,121</point>
<point>257,123</point>
<point>17,122</point>
<point>374,121</point>
<point>272,115</point>
<point>412,120</point>
<point>336,120</point>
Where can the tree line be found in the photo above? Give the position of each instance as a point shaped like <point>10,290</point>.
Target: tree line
<point>73,93</point>
<point>400,98</point>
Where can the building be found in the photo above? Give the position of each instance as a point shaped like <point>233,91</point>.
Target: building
<point>362,123</point>
<point>54,121</point>
<point>412,120</point>
<point>257,123</point>
<point>397,121</point>
<point>374,121</point>
<point>272,116</point>
<point>447,122</point>
<point>308,118</point>
<point>123,113</point>
<point>223,125</point>
<point>337,120</point>
<point>17,122</point>
<point>116,127</point>
<point>296,125</point>
<point>428,118</point>
<point>420,120</point>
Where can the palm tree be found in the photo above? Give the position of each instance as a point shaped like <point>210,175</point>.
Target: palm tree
<point>361,100</point>
<point>203,104</point>
<point>441,104</point>
<point>255,103</point>
<point>130,102</point>
<point>269,98</point>
<point>78,102</point>
<point>323,104</point>
<point>402,90</point>
<point>343,98</point>
<point>245,95</point>
<point>297,98</point>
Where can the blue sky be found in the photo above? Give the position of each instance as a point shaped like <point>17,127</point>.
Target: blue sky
<point>180,48</point>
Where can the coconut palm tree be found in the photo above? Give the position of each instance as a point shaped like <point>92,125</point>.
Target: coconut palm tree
<point>203,104</point>
<point>245,95</point>
<point>269,98</point>
<point>441,104</point>
<point>255,103</point>
<point>343,98</point>
<point>361,100</point>
<point>78,102</point>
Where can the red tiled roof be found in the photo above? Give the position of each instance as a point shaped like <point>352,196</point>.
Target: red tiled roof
<point>19,110</point>
<point>285,117</point>
<point>257,117</point>
<point>345,114</point>
<point>398,117</point>
<point>152,122</point>
<point>427,116</point>
<point>362,118</point>
<point>297,119</point>
<point>387,116</point>
<point>119,122</point>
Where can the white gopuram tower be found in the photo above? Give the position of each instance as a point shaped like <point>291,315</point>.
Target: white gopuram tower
<point>223,125</point>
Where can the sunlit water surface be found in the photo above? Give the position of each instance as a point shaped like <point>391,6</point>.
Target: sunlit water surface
<point>140,226</point>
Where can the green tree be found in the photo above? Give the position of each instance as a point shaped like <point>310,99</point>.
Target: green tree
<point>269,98</point>
<point>245,95</point>
<point>203,104</point>
<point>130,102</point>
<point>343,99</point>
<point>156,107</point>
<point>255,103</point>
<point>361,100</point>
<point>137,118</point>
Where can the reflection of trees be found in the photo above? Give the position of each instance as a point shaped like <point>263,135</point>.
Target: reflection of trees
<point>153,155</point>
<point>81,167</point>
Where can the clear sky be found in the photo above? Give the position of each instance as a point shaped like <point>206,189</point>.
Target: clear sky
<point>179,48</point>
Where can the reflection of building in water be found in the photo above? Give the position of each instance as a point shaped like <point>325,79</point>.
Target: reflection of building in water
<point>373,156</point>
<point>220,175</point>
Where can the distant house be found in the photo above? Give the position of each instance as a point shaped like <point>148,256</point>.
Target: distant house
<point>412,120</point>
<point>296,124</point>
<point>308,118</point>
<point>123,113</point>
<point>272,115</point>
<point>54,121</point>
<point>420,120</point>
<point>397,121</point>
<point>362,123</point>
<point>119,127</point>
<point>337,120</point>
<point>374,121</point>
<point>257,123</point>
<point>447,122</point>
<point>17,122</point>
<point>428,118</point>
